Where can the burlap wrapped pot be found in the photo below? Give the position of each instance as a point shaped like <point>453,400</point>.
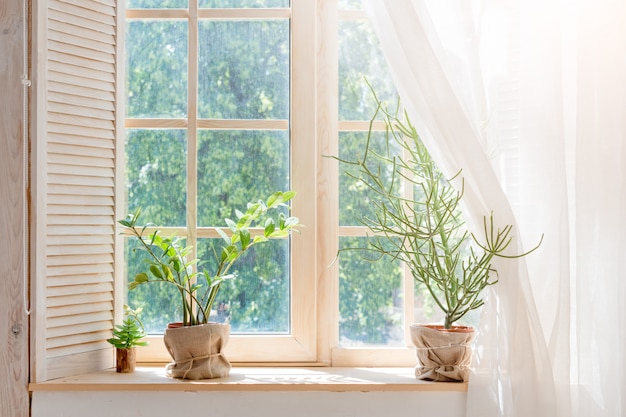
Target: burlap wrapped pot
<point>197,351</point>
<point>444,355</point>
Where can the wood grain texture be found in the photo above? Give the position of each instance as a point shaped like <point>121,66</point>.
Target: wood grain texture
<point>14,321</point>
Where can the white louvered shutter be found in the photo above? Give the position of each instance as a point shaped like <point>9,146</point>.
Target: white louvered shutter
<point>73,186</point>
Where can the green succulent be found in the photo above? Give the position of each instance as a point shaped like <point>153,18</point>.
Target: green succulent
<point>130,332</point>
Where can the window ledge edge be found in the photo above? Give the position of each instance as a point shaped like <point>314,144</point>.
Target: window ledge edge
<point>332,379</point>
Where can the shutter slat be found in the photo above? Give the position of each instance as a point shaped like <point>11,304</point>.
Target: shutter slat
<point>78,130</point>
<point>73,42</point>
<point>82,170</point>
<point>86,270</point>
<point>81,72</point>
<point>98,316</point>
<point>79,299</point>
<point>87,200</point>
<point>98,351</point>
<point>95,103</point>
<point>70,231</point>
<point>59,148</point>
<point>80,209</point>
<point>79,91</point>
<point>82,328</point>
<point>95,6</point>
<point>77,339</point>
<point>79,279</point>
<point>70,79</point>
<point>83,32</point>
<point>69,49</point>
<point>79,260</point>
<point>74,163</point>
<point>98,182</point>
<point>70,12</point>
<point>56,15</point>
<point>87,141</point>
<point>71,310</point>
<point>82,111</point>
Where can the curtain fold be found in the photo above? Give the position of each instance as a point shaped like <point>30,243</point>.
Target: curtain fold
<point>528,98</point>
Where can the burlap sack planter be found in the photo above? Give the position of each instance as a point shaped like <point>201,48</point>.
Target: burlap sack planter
<point>197,351</point>
<point>444,355</point>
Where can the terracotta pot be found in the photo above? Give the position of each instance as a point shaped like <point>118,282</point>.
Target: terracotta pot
<point>125,360</point>
<point>444,354</point>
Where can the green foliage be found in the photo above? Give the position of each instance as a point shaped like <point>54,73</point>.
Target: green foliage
<point>156,68</point>
<point>239,78</point>
<point>130,332</point>
<point>369,307</point>
<point>425,231</point>
<point>198,288</point>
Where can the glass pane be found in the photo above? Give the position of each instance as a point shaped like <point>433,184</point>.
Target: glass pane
<point>370,298</point>
<point>350,5</point>
<point>160,301</point>
<point>240,4</point>
<point>257,300</point>
<point>360,58</point>
<point>156,4</point>
<point>236,167</point>
<point>425,310</point>
<point>156,164</point>
<point>243,69</point>
<point>355,198</point>
<point>156,69</point>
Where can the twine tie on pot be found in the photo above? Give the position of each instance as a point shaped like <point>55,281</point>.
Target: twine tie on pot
<point>190,361</point>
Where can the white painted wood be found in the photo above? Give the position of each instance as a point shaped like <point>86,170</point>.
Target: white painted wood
<point>292,391</point>
<point>259,404</point>
<point>327,108</point>
<point>244,379</point>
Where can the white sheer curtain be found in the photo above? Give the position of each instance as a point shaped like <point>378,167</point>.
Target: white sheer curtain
<point>528,98</point>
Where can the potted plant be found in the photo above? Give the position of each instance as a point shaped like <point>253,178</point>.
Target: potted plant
<point>195,344</point>
<point>424,229</point>
<point>126,337</point>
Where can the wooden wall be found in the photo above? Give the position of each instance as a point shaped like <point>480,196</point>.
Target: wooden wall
<point>14,400</point>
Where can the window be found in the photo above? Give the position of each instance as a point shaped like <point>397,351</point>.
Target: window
<point>210,125</point>
<point>309,101</point>
<point>220,110</point>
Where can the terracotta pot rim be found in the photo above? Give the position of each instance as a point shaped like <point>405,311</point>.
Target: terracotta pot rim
<point>454,329</point>
<point>179,324</point>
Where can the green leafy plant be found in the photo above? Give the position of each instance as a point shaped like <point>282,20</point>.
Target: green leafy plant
<point>424,228</point>
<point>129,334</point>
<point>198,288</point>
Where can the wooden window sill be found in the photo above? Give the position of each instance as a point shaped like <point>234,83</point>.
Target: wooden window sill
<point>152,378</point>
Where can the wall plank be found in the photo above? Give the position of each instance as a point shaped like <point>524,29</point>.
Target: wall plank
<point>14,400</point>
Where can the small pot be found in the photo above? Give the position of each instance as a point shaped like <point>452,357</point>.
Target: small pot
<point>444,355</point>
<point>125,360</point>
